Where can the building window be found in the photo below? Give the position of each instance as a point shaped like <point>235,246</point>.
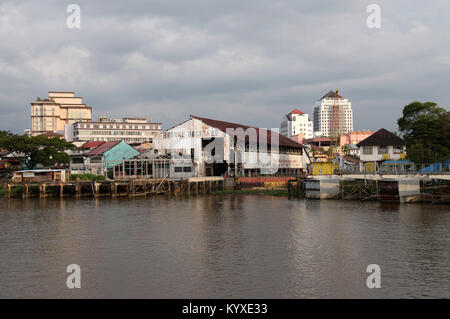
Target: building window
<point>382,150</point>
<point>398,149</point>
<point>96,159</point>
<point>367,150</point>
<point>178,169</point>
<point>187,169</point>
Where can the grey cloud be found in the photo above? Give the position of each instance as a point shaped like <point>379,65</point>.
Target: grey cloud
<point>244,61</point>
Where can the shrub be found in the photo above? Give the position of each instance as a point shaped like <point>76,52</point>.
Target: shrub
<point>86,177</point>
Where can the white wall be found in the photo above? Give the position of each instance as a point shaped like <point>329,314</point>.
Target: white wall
<point>189,134</point>
<point>374,157</point>
<point>300,124</point>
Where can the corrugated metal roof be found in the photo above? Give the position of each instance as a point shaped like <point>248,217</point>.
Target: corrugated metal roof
<point>92,144</point>
<point>382,137</point>
<point>103,148</point>
<point>223,126</point>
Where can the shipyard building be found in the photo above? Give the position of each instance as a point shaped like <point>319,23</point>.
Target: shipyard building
<point>219,148</point>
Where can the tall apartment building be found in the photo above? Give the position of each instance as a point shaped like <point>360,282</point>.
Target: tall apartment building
<point>131,130</point>
<point>322,115</point>
<point>58,110</point>
<point>295,123</point>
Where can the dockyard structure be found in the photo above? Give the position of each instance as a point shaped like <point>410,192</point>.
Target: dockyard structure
<point>130,130</point>
<point>219,148</point>
<point>100,157</point>
<point>56,111</point>
<point>41,175</point>
<point>155,166</point>
<point>323,115</point>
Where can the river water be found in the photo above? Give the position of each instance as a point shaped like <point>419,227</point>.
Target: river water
<point>222,246</point>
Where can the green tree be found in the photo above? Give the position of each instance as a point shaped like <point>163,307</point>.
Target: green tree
<point>37,149</point>
<point>345,149</point>
<point>426,129</point>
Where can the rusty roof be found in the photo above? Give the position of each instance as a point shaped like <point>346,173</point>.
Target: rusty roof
<point>103,148</point>
<point>52,134</point>
<point>92,144</point>
<point>223,126</point>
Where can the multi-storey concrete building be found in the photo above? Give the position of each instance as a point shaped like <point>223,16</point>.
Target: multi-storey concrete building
<point>130,130</point>
<point>296,123</point>
<point>323,114</point>
<point>58,110</point>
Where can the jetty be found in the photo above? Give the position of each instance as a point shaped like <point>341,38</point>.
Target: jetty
<point>114,188</point>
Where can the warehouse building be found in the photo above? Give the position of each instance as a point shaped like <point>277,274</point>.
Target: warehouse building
<point>219,148</point>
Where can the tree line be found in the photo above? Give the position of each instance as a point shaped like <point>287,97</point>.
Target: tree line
<point>35,150</point>
<point>426,130</point>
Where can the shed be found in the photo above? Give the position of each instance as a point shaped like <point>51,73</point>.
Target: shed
<point>40,175</point>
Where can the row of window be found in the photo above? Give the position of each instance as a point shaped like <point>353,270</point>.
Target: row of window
<point>368,150</point>
<point>183,169</point>
<point>116,133</point>
<point>122,126</point>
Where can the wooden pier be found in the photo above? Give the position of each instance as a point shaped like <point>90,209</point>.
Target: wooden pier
<point>114,188</point>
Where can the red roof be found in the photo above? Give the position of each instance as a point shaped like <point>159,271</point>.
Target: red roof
<point>92,144</point>
<point>297,111</point>
<point>221,125</point>
<point>106,146</point>
<point>52,134</point>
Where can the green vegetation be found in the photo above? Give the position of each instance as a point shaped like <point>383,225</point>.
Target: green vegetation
<point>273,192</point>
<point>86,177</point>
<point>426,129</point>
<point>15,191</point>
<point>37,149</point>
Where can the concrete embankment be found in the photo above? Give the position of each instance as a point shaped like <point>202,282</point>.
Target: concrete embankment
<point>402,189</point>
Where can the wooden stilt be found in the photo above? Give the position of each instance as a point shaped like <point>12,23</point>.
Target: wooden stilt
<point>25,193</point>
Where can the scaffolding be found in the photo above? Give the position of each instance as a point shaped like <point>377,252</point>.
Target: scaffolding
<point>157,167</point>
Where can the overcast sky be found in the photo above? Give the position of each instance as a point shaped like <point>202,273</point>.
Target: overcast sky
<point>245,61</point>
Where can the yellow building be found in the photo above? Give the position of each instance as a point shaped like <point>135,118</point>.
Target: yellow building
<point>324,168</point>
<point>59,109</point>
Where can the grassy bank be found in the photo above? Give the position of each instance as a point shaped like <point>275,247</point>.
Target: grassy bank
<point>273,192</point>
<point>2,192</point>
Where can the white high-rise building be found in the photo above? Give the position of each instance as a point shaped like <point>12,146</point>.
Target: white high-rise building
<point>296,123</point>
<point>322,115</point>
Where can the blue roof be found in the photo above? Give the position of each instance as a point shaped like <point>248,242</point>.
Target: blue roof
<point>398,162</point>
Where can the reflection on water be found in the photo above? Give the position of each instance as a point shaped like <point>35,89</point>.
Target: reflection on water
<point>222,247</point>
